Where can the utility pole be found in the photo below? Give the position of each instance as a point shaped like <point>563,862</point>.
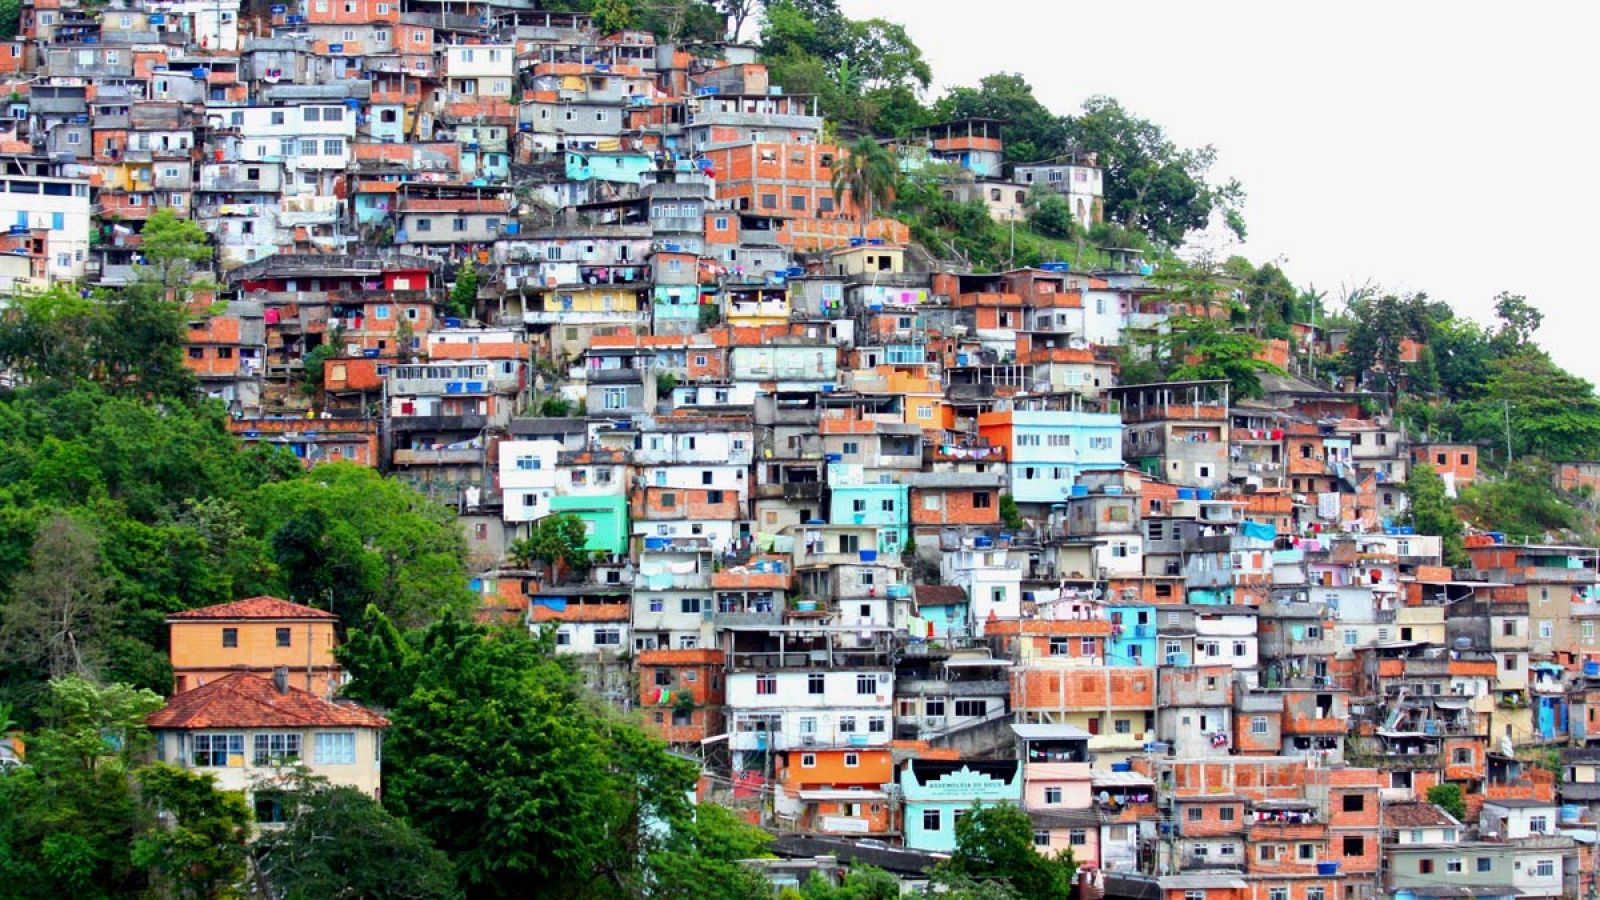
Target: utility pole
<point>1505,407</point>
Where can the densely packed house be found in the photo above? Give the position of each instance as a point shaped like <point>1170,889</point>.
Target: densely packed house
<point>873,537</point>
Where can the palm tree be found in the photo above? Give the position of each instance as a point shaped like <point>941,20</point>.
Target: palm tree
<point>868,175</point>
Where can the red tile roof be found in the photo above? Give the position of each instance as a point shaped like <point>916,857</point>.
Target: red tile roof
<point>254,608</point>
<point>242,700</point>
<point>1416,815</point>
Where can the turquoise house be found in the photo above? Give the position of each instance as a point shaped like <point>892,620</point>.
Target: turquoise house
<point>883,505</point>
<point>936,792</point>
<point>1133,636</point>
<point>605,517</point>
<point>619,168</point>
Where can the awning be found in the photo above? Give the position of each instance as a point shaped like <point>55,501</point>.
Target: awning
<point>842,796</point>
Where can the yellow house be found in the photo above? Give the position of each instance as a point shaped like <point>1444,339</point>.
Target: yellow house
<point>256,636</point>
<point>922,396</point>
<point>249,732</point>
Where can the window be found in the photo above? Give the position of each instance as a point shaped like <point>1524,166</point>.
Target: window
<point>608,637</point>
<point>1315,893</point>
<point>1485,864</point>
<point>230,637</point>
<point>1240,648</point>
<point>1546,868</point>
<point>1454,865</point>
<point>283,637</point>
<point>1460,756</point>
<point>814,683</point>
<point>1041,838</point>
<point>528,463</point>
<point>689,605</point>
<point>216,751</point>
<point>458,224</point>
<point>1194,814</point>
<point>424,224</point>
<point>1225,813</point>
<point>1079,837</point>
<point>307,148</point>
<point>933,821</point>
<point>852,760</point>
<point>847,724</point>
<point>981,500</point>
<point>1306,851</point>
<point>808,760</point>
<point>866,684</point>
<point>333,147</point>
<point>972,708</point>
<point>1052,796</point>
<point>1258,725</point>
<point>876,725</point>
<point>1539,824</point>
<point>277,116</point>
<point>766,684</point>
<point>1267,852</point>
<point>275,748</point>
<point>1122,726</point>
<point>933,708</point>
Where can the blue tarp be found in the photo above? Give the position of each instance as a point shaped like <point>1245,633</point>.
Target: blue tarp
<point>1259,531</point>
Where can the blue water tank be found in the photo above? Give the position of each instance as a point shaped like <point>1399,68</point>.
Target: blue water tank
<point>1185,493</point>
<point>1080,490</point>
<point>1205,493</point>
<point>1591,668</point>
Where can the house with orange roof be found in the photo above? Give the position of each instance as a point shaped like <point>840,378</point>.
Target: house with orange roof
<point>256,636</point>
<point>248,733</point>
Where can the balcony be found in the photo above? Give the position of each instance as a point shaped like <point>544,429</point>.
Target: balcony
<point>615,376</point>
<point>438,457</point>
<point>811,659</point>
<point>936,688</point>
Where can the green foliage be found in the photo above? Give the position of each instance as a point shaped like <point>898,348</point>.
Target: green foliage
<point>131,341</point>
<point>200,852</point>
<point>555,407</point>
<point>173,247</point>
<point>611,16</point>
<point>558,539</point>
<point>860,883</point>
<point>1553,414</point>
<point>1152,184</point>
<point>1200,348</point>
<point>79,820</point>
<point>314,360</point>
<point>58,619</point>
<point>1449,798</point>
<point>464,293</point>
<point>867,176</point>
<point>1009,515</point>
<point>1030,130</point>
<point>710,316</point>
<point>371,854</point>
<point>665,382</point>
<point>996,843</point>
<point>1050,214</point>
<point>10,18</point>
<point>1431,512</point>
<point>700,858</point>
<point>343,537</point>
<point>1383,323</point>
<point>498,755</point>
<point>1522,503</point>
<point>863,73</point>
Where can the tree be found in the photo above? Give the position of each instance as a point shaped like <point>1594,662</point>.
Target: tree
<point>1200,348</point>
<point>1448,797</point>
<point>314,360</point>
<point>612,16</point>
<point>1519,319</point>
<point>344,537</point>
<point>339,842</point>
<point>69,819</point>
<point>139,340</point>
<point>10,18</point>
<point>499,756</point>
<point>561,539</point>
<point>1373,352</point>
<point>199,852</point>
<point>464,294</point>
<point>737,12</point>
<point>48,336</point>
<point>1030,130</point>
<point>1550,412</point>
<point>57,617</point>
<point>173,247</point>
<point>996,843</point>
<point>1009,515</point>
<point>1151,183</point>
<point>867,175</point>
<point>701,856</point>
<point>1050,214</point>
<point>1429,511</point>
<point>1522,503</point>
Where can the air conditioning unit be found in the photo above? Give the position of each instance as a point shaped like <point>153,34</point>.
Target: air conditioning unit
<point>808,740</point>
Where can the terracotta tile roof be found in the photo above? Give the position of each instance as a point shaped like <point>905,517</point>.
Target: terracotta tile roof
<point>242,700</point>
<point>254,608</point>
<point>1416,815</point>
<point>588,612</point>
<point>940,595</point>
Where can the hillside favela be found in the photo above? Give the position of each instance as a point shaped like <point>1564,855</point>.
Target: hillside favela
<point>671,449</point>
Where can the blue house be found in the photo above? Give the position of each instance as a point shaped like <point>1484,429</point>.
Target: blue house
<point>1133,635</point>
<point>944,607</point>
<point>936,792</point>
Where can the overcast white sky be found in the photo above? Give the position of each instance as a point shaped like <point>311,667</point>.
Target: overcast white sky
<point>1448,148</point>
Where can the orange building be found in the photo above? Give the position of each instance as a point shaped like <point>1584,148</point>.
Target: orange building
<point>836,791</point>
<point>681,692</point>
<point>254,636</point>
